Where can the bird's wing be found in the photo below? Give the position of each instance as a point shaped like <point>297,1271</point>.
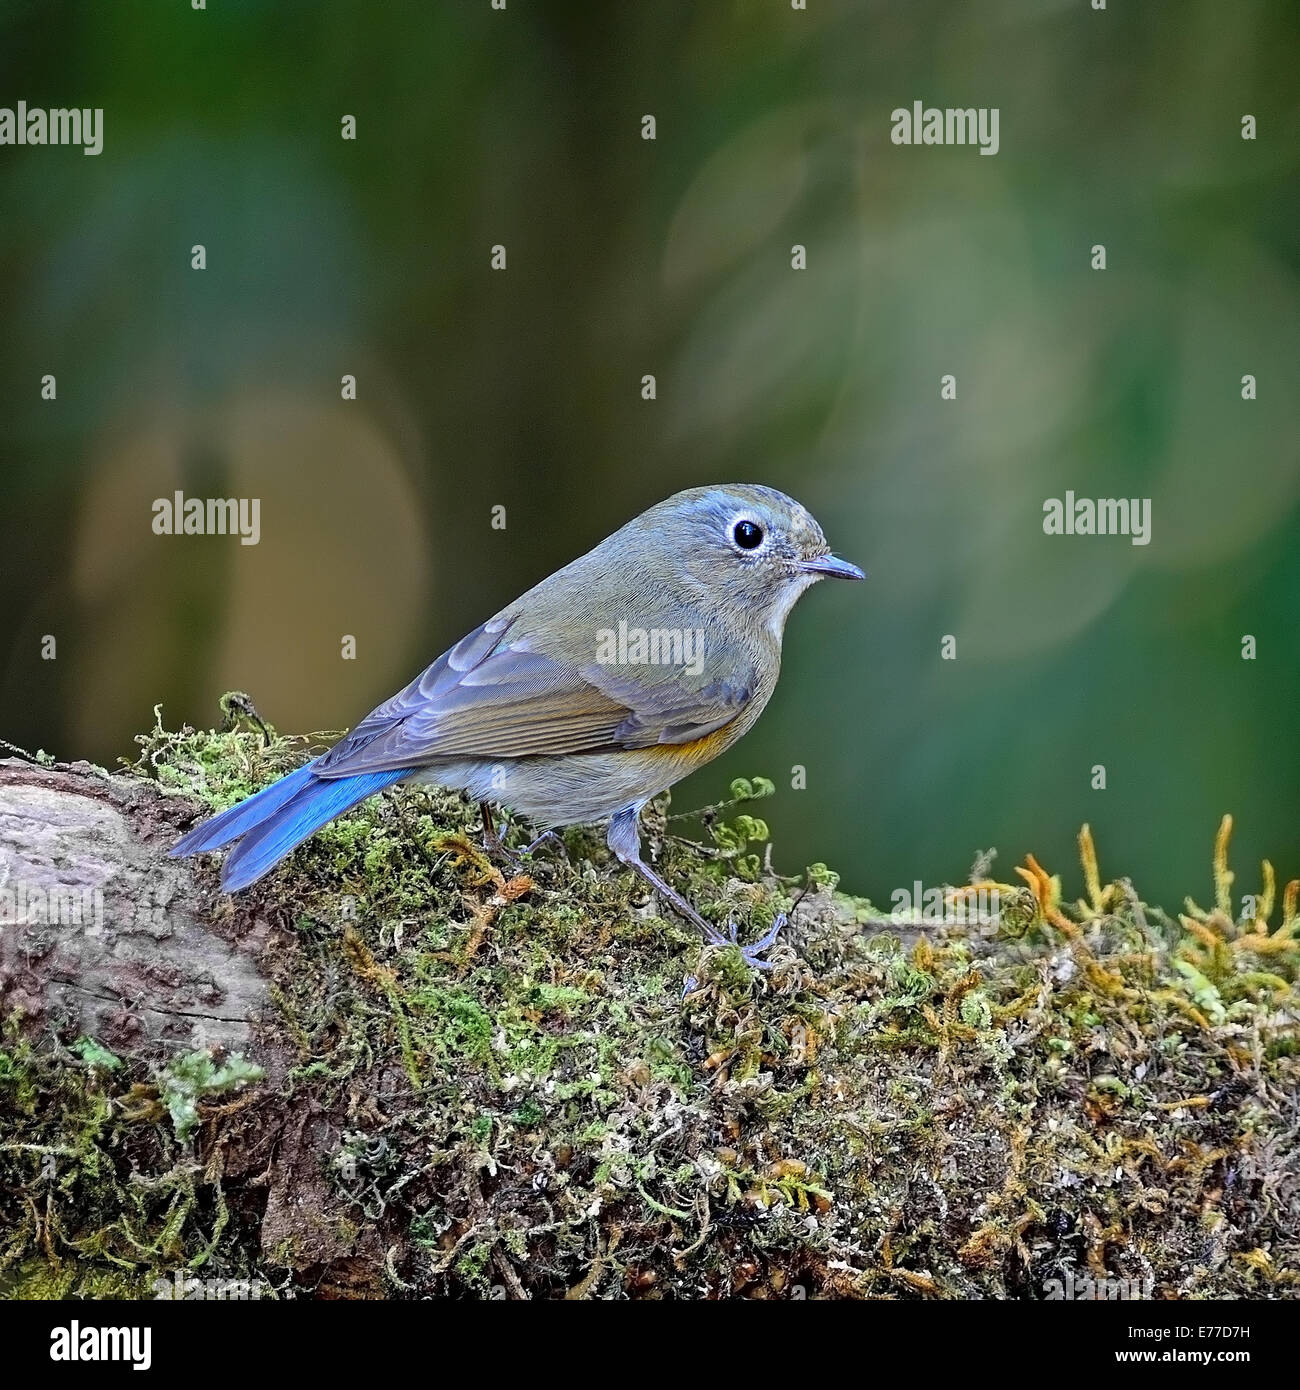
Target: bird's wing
<point>490,697</point>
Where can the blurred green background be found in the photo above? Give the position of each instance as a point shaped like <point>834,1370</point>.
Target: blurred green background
<point>479,388</point>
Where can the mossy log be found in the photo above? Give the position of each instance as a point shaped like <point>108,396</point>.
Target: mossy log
<point>113,940</point>
<point>400,1067</point>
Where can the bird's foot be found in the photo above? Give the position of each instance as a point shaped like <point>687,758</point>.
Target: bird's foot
<point>552,835</point>
<point>753,953</point>
<point>496,848</point>
<point>492,841</point>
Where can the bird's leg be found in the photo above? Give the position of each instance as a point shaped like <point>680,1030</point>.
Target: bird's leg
<point>493,842</point>
<point>624,838</point>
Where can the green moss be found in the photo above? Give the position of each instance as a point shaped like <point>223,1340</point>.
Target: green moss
<point>194,1076</point>
<point>533,1076</point>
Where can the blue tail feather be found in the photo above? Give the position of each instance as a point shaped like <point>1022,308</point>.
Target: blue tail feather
<point>288,827</point>
<point>239,819</point>
<point>278,819</point>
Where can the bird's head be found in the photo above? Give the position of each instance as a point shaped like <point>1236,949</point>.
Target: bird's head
<point>752,547</point>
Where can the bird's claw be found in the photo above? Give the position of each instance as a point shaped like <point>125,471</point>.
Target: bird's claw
<point>494,846</point>
<point>546,835</point>
<point>752,954</point>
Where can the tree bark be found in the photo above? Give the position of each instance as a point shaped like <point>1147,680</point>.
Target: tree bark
<point>100,933</point>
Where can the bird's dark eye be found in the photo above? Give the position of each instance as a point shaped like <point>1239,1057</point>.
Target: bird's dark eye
<point>748,535</point>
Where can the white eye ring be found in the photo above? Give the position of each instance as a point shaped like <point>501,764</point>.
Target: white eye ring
<point>747,535</point>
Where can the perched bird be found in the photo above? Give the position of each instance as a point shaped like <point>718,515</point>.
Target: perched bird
<point>586,697</point>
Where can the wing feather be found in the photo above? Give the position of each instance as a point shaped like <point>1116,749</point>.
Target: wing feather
<point>491,697</point>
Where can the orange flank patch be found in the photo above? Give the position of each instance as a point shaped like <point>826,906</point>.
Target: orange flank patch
<point>696,753</point>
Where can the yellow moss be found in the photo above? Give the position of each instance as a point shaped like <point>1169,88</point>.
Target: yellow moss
<point>1222,874</point>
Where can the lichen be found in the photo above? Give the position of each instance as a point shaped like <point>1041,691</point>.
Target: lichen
<point>534,1079</point>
